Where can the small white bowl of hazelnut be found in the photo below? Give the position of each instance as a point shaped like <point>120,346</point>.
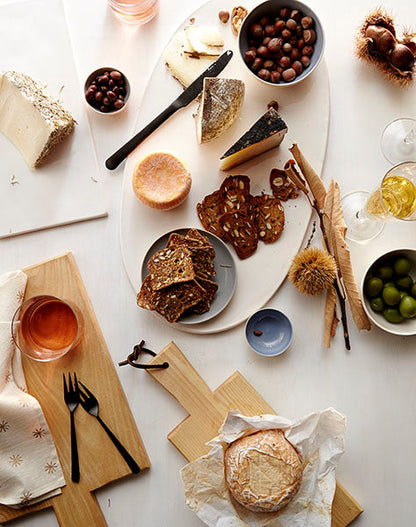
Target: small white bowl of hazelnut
<point>281,42</point>
<point>107,90</point>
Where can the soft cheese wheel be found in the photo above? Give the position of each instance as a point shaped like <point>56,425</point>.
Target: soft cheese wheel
<point>263,470</point>
<point>161,180</point>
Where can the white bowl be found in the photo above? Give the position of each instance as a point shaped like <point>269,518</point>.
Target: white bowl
<point>408,326</point>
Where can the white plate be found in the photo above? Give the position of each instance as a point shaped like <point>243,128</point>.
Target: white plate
<point>305,109</point>
<point>225,277</point>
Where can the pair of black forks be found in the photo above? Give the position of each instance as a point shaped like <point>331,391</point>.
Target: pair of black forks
<point>75,393</point>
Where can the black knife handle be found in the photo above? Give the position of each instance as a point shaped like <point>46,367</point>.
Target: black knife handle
<point>119,156</point>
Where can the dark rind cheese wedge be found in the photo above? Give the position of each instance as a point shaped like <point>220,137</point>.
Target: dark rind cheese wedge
<point>241,231</point>
<point>271,218</point>
<point>268,132</point>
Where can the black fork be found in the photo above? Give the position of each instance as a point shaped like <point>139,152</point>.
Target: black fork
<point>71,396</point>
<point>90,404</point>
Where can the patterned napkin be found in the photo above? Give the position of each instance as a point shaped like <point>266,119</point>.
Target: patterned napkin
<point>29,466</point>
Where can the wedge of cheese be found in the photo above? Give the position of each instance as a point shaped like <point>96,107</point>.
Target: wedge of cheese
<point>30,118</point>
<point>221,100</point>
<point>266,133</point>
<point>187,58</point>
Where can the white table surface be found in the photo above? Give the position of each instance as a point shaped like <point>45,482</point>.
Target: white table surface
<point>373,385</point>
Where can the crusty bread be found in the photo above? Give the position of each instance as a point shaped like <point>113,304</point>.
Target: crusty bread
<point>263,470</point>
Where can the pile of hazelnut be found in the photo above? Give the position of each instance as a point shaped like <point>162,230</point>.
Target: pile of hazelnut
<point>107,91</point>
<point>281,47</point>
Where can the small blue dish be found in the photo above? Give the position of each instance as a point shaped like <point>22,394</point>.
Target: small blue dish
<point>269,332</point>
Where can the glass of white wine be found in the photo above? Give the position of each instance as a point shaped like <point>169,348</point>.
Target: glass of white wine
<point>395,199</point>
<point>398,140</point>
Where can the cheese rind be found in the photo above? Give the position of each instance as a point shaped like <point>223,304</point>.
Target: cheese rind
<point>221,100</point>
<point>161,180</point>
<point>266,133</point>
<point>30,118</point>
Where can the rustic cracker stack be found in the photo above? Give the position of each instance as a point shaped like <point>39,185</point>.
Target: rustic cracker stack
<point>178,281</point>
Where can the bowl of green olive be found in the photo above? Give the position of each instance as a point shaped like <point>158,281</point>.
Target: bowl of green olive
<point>389,292</point>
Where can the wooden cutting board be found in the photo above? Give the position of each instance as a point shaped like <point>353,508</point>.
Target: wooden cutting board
<point>207,411</point>
<point>100,462</point>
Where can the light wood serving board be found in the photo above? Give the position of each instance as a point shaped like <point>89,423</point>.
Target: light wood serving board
<point>100,462</point>
<point>207,411</point>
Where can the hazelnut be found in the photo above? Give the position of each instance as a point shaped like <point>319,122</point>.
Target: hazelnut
<point>382,39</point>
<point>286,34</point>
<point>291,24</point>
<point>299,30</point>
<point>279,69</point>
<point>274,45</point>
<point>284,13</point>
<point>274,105</point>
<point>269,64</point>
<point>305,61</point>
<point>266,41</point>
<point>275,76</point>
<point>269,30</point>
<point>294,54</point>
<point>287,48</point>
<point>284,62</point>
<point>306,22</point>
<point>307,50</point>
<point>309,36</point>
<point>249,56</point>
<point>279,25</point>
<point>300,43</point>
<point>293,40</point>
<point>297,66</point>
<point>224,16</point>
<point>296,15</point>
<point>257,64</point>
<point>256,31</point>
<point>264,74</point>
<point>289,75</point>
<point>262,51</point>
<point>402,58</point>
<point>265,21</point>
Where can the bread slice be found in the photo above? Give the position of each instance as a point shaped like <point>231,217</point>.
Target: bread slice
<point>204,304</point>
<point>271,218</point>
<point>170,266</point>
<point>241,231</point>
<point>202,255</point>
<point>171,302</point>
<point>197,235</point>
<point>145,297</point>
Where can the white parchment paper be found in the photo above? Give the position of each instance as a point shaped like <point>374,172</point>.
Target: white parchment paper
<point>319,437</point>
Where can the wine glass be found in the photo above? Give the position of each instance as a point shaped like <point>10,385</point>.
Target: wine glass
<point>395,198</point>
<point>398,140</point>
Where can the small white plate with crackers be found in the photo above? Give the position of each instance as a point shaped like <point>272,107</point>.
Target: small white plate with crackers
<point>215,290</point>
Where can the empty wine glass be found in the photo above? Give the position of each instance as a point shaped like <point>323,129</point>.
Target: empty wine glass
<point>394,199</point>
<point>398,140</point>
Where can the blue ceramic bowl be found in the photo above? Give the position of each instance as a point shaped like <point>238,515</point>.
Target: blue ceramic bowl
<point>276,332</point>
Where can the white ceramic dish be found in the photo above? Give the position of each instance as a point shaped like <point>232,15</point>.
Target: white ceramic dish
<point>305,109</point>
<point>408,326</point>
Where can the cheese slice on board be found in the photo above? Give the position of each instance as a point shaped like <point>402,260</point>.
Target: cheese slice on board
<point>204,40</point>
<point>30,118</point>
<point>266,133</point>
<point>221,100</point>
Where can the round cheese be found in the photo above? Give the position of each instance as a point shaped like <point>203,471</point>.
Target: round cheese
<point>161,180</point>
<point>263,470</point>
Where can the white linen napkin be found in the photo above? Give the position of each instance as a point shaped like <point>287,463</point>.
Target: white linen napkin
<point>29,466</point>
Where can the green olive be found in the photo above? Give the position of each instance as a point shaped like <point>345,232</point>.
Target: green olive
<point>389,284</point>
<point>373,287</point>
<point>413,290</point>
<point>403,294</point>
<point>377,304</point>
<point>407,307</point>
<point>404,283</point>
<point>390,295</point>
<point>393,315</point>
<point>385,272</point>
<point>402,266</point>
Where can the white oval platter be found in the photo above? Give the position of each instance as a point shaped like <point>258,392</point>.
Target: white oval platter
<point>304,108</point>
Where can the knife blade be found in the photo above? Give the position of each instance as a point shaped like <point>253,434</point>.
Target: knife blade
<point>188,95</point>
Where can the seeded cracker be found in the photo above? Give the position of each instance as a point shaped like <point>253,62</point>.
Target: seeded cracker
<point>282,187</point>
<point>235,193</point>
<point>271,218</point>
<point>170,266</point>
<point>202,255</point>
<point>240,230</point>
<point>204,304</point>
<point>209,211</point>
<point>171,302</point>
<point>196,235</point>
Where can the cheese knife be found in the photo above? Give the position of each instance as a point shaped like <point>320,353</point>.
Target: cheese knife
<point>191,92</point>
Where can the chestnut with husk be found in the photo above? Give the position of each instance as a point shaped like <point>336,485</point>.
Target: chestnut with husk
<point>402,58</point>
<point>382,39</point>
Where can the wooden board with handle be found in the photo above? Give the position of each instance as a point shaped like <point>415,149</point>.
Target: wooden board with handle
<point>207,411</point>
<point>100,462</point>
